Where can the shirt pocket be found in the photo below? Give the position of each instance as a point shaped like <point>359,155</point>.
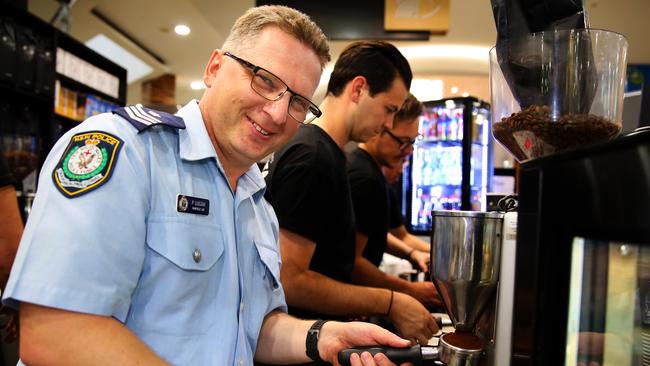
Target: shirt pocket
<point>179,281</point>
<point>189,246</point>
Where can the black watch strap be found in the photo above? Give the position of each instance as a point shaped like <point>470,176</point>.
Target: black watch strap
<point>311,343</point>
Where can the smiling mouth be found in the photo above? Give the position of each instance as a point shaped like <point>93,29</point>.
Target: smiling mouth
<point>260,129</point>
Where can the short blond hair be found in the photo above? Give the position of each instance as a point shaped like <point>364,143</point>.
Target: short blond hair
<point>299,25</point>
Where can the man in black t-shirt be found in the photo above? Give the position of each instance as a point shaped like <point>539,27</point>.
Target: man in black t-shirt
<point>370,197</point>
<point>308,188</point>
<point>419,249</point>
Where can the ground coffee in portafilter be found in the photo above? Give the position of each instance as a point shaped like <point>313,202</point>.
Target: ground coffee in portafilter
<point>533,133</point>
<point>463,340</point>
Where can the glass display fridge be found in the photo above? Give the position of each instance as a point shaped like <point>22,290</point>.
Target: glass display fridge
<point>450,168</point>
<point>582,272</point>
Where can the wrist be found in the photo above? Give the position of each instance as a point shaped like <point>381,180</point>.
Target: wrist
<point>390,303</point>
<point>311,341</point>
<point>408,255</point>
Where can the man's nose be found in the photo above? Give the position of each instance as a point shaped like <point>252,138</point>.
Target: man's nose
<point>278,109</point>
<point>388,123</point>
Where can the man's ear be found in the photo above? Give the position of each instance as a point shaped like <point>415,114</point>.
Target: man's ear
<point>213,66</point>
<point>357,87</point>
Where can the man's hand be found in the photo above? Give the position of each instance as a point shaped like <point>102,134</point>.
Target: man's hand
<point>337,336</point>
<point>425,292</point>
<point>366,359</point>
<point>412,320</point>
<point>421,259</point>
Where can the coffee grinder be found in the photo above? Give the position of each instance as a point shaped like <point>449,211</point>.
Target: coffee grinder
<point>470,252</point>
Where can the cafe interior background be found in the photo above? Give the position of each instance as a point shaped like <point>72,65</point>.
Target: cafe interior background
<point>158,49</point>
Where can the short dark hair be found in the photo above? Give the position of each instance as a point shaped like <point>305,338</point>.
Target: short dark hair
<point>410,110</point>
<point>379,62</point>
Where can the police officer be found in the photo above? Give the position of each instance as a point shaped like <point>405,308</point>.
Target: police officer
<point>150,241</point>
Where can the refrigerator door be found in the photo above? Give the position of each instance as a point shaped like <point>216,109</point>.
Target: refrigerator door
<point>480,161</point>
<point>450,166</point>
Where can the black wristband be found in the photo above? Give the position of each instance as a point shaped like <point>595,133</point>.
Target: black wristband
<point>311,343</point>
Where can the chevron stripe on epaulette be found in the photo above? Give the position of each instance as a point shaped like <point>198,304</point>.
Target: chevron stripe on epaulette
<point>142,117</point>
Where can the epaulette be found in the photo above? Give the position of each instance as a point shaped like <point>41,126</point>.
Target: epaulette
<point>142,117</point>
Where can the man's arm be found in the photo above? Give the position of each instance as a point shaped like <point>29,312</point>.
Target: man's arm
<point>410,239</point>
<point>57,337</point>
<point>404,245</point>
<point>367,274</point>
<point>313,291</point>
<point>11,228</point>
<point>282,339</point>
<point>398,248</point>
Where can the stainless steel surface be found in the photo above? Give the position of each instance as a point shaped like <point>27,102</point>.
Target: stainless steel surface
<point>465,251</point>
<point>430,353</point>
<point>477,214</point>
<point>456,356</point>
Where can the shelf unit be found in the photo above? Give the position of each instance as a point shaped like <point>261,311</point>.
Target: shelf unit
<point>29,81</point>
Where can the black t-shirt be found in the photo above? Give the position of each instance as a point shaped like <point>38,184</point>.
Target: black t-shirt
<point>394,208</point>
<point>5,175</point>
<point>370,200</point>
<point>308,188</point>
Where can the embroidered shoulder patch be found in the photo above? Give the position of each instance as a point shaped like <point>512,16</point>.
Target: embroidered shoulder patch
<point>86,163</point>
<point>142,117</point>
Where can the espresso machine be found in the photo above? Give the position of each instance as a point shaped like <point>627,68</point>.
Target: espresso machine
<point>472,267</point>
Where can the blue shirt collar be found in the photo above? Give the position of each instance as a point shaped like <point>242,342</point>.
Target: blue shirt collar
<point>195,144</point>
<point>194,141</point>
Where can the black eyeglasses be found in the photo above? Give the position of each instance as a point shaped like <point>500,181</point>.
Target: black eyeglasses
<point>403,142</point>
<point>272,88</point>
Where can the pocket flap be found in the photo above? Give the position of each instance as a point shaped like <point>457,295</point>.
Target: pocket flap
<point>190,246</point>
<point>271,260</point>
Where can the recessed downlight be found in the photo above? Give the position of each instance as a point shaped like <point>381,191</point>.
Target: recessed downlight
<point>182,30</point>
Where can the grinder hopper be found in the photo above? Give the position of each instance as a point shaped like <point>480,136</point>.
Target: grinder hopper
<point>465,253</point>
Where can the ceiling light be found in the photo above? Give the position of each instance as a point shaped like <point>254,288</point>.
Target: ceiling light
<point>197,85</point>
<point>182,30</point>
<point>465,94</point>
<point>427,89</point>
<point>454,89</point>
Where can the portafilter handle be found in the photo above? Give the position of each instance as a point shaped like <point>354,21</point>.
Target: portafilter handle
<point>415,354</point>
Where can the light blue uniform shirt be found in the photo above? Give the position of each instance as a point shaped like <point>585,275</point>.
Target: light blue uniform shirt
<point>124,250</point>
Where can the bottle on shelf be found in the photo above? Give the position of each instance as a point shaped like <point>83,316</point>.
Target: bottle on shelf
<point>459,119</point>
<point>453,129</point>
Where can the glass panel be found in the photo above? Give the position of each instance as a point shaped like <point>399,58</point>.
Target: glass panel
<point>479,158</point>
<point>437,175</point>
<point>442,122</point>
<point>481,126</point>
<point>609,304</point>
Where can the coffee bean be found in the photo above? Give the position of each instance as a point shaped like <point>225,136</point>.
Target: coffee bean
<point>534,132</point>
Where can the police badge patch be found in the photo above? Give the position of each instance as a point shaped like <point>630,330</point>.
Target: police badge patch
<point>86,163</point>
